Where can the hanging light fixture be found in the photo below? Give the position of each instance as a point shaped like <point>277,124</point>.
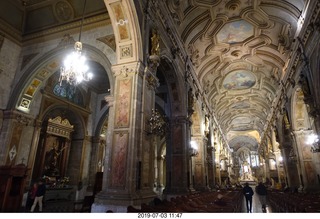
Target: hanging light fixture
<point>157,123</point>
<point>74,69</point>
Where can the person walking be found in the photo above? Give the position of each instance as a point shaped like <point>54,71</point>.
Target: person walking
<point>261,189</point>
<point>248,193</point>
<point>41,190</point>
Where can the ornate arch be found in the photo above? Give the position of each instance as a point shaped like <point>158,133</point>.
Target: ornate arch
<point>36,75</point>
<point>126,29</point>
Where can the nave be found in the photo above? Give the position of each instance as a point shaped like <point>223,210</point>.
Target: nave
<point>186,96</point>
<point>256,204</point>
<point>220,201</point>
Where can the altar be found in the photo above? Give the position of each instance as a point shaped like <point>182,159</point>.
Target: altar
<point>60,194</point>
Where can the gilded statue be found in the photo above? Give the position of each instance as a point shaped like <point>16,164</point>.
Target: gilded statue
<point>155,43</point>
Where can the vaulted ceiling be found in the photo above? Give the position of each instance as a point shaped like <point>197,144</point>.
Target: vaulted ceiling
<point>240,51</point>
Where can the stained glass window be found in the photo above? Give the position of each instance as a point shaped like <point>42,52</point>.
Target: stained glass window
<point>69,92</point>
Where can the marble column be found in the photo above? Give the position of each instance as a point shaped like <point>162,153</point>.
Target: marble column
<point>129,168</point>
<point>177,158</point>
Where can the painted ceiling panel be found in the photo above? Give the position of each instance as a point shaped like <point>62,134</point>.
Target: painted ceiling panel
<point>239,50</point>
<point>240,56</point>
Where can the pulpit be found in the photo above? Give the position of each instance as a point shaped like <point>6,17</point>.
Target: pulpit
<point>12,184</point>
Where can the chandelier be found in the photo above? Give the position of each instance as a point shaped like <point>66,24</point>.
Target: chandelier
<point>315,148</point>
<point>193,149</point>
<point>74,69</point>
<point>157,123</point>
<point>314,141</point>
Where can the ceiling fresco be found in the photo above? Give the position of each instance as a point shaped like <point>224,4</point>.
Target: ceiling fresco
<point>239,50</point>
<point>235,32</point>
<point>239,80</point>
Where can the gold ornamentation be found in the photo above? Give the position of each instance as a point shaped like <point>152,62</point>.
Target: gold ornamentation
<point>157,123</point>
<point>60,127</point>
<point>155,43</point>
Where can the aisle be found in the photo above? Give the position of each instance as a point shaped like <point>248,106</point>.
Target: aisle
<point>256,205</point>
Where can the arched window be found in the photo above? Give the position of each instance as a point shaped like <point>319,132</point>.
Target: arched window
<point>69,92</point>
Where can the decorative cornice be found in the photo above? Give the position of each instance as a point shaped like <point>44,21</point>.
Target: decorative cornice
<point>21,118</point>
<point>124,70</point>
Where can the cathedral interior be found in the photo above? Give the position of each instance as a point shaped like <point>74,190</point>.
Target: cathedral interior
<point>179,98</point>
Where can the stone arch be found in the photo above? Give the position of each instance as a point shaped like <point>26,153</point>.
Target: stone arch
<point>36,75</point>
<point>177,135</point>
<point>74,145</point>
<point>126,29</point>
<point>175,88</point>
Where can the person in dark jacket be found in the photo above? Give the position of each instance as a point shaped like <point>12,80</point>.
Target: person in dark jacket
<point>41,190</point>
<point>31,195</point>
<point>262,192</point>
<point>248,193</point>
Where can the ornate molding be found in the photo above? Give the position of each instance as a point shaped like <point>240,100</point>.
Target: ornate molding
<point>22,119</point>
<point>127,69</point>
<point>109,40</point>
<point>66,41</point>
<point>63,11</point>
<point>60,127</point>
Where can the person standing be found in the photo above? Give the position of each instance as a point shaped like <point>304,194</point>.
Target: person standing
<point>262,192</point>
<point>41,190</point>
<point>248,193</point>
<point>31,195</point>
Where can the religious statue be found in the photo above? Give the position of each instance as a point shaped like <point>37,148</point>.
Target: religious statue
<point>155,43</point>
<point>206,124</point>
<point>51,161</point>
<point>190,102</point>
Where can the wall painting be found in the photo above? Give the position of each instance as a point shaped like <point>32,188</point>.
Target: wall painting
<point>123,103</point>
<point>119,159</point>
